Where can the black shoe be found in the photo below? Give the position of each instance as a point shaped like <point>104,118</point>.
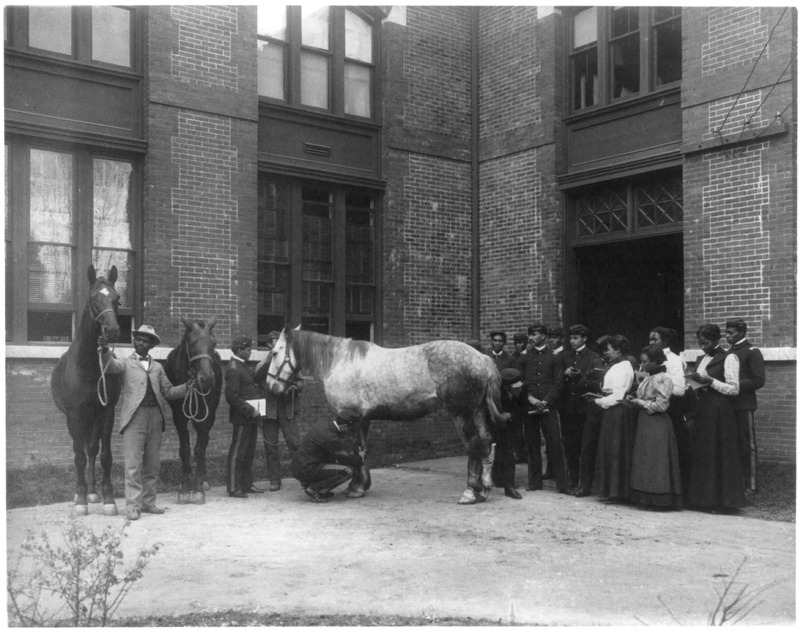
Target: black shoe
<point>315,496</point>
<point>153,509</point>
<point>240,494</point>
<point>582,493</point>
<point>534,488</point>
<point>254,489</point>
<point>513,493</point>
<point>275,485</point>
<point>547,475</point>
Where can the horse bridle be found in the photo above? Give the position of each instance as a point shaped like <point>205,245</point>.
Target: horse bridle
<point>295,371</point>
<point>191,402</point>
<point>102,391</point>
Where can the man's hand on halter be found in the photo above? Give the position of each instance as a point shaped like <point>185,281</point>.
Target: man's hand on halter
<point>103,344</point>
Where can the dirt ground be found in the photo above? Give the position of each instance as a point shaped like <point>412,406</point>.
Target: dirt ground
<point>407,548</point>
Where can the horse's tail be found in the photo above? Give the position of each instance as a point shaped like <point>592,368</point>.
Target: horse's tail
<point>493,394</point>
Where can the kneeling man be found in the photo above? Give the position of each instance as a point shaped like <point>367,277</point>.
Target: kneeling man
<point>327,456</point>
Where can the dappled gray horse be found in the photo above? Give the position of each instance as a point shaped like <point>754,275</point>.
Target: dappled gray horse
<point>400,384</point>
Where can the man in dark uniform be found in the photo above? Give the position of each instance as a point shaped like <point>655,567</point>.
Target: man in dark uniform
<point>543,381</point>
<point>241,386</point>
<point>752,376</point>
<point>518,415</point>
<point>498,353</point>
<point>581,369</point>
<point>327,456</point>
<point>511,401</point>
<point>555,340</point>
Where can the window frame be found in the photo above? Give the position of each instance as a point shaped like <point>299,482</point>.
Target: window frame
<point>337,61</point>
<point>82,245</point>
<point>605,70</point>
<point>16,37</point>
<point>338,317</point>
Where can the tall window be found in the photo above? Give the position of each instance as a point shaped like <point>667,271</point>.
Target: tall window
<point>318,57</point>
<point>317,250</point>
<point>99,35</point>
<point>67,208</point>
<point>621,52</point>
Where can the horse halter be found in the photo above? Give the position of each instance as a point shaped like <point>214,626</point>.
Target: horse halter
<point>191,401</point>
<point>295,371</point>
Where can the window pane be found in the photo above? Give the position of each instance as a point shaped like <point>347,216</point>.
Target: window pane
<point>54,326</point>
<point>625,56</point>
<point>624,20</point>
<point>50,28</point>
<point>274,290</point>
<point>51,196</point>
<point>104,260</point>
<point>271,81</point>
<point>315,26</point>
<point>667,52</point>
<point>665,13</point>
<point>317,272</point>
<point>357,37</point>
<point>584,79</point>
<point>111,35</point>
<point>49,274</point>
<point>357,83</point>
<point>271,21</point>
<point>584,28</point>
<point>314,80</point>
<point>358,330</point>
<point>112,204</point>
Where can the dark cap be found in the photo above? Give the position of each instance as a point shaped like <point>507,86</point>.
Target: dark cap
<point>348,416</point>
<point>511,376</point>
<point>240,342</point>
<point>498,334</point>
<point>537,328</point>
<point>736,323</point>
<point>555,331</point>
<point>476,344</point>
<point>520,337</point>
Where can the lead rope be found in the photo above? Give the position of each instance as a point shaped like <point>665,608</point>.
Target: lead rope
<point>191,404</point>
<point>102,392</point>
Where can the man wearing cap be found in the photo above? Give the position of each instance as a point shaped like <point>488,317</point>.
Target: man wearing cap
<point>541,374</point>
<point>241,386</point>
<point>280,416</point>
<point>751,377</point>
<point>145,390</point>
<point>498,353</point>
<point>517,417</point>
<point>512,402</point>
<point>327,456</point>
<point>555,340</point>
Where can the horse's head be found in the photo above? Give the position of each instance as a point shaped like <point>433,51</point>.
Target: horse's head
<point>104,302</point>
<point>200,344</point>
<point>283,370</point>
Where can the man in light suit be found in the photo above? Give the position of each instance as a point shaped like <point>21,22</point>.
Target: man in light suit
<point>145,391</point>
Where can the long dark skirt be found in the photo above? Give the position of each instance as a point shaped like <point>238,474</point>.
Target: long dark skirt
<point>615,452</point>
<point>716,479</point>
<point>655,470</point>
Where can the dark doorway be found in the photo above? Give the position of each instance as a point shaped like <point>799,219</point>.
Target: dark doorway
<point>629,287</point>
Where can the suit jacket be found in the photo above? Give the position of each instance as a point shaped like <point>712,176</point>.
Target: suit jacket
<point>502,361</point>
<point>241,384</point>
<point>591,366</point>
<point>751,374</point>
<point>134,385</point>
<point>541,374</point>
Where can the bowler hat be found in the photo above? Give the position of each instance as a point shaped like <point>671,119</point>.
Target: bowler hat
<point>147,331</point>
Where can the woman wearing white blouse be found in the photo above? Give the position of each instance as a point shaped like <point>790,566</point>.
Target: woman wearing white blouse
<point>617,426</point>
<point>716,481</point>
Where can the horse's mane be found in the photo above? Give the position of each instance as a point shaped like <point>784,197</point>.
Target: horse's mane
<point>317,352</point>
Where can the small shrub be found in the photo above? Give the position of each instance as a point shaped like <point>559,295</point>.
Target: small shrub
<point>87,574</point>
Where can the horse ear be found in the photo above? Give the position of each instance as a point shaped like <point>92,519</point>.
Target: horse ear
<point>92,275</point>
<point>211,323</point>
<point>187,323</point>
<point>297,328</point>
<point>112,275</point>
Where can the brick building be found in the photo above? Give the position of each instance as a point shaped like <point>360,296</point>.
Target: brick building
<point>399,174</point>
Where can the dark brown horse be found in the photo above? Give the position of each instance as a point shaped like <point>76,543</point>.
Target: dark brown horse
<point>195,356</point>
<point>86,395</point>
<point>400,384</point>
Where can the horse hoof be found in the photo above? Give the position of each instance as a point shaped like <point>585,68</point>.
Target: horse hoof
<point>80,510</point>
<point>206,485</point>
<point>468,497</point>
<point>483,495</point>
<point>354,494</point>
<point>110,510</point>
<point>93,498</point>
<point>198,497</point>
<point>184,498</point>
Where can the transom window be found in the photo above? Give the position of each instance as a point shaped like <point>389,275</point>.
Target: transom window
<point>98,34</point>
<point>317,57</point>
<point>638,206</point>
<point>316,258</point>
<point>620,52</point>
<point>65,208</point>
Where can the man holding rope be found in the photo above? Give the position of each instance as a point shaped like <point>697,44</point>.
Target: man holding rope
<point>145,390</point>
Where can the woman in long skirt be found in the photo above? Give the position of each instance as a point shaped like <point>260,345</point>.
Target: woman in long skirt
<point>655,473</point>
<point>716,474</point>
<point>617,425</point>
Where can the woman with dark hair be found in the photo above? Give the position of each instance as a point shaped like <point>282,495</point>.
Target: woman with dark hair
<point>617,424</point>
<point>655,471</point>
<point>716,481</point>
